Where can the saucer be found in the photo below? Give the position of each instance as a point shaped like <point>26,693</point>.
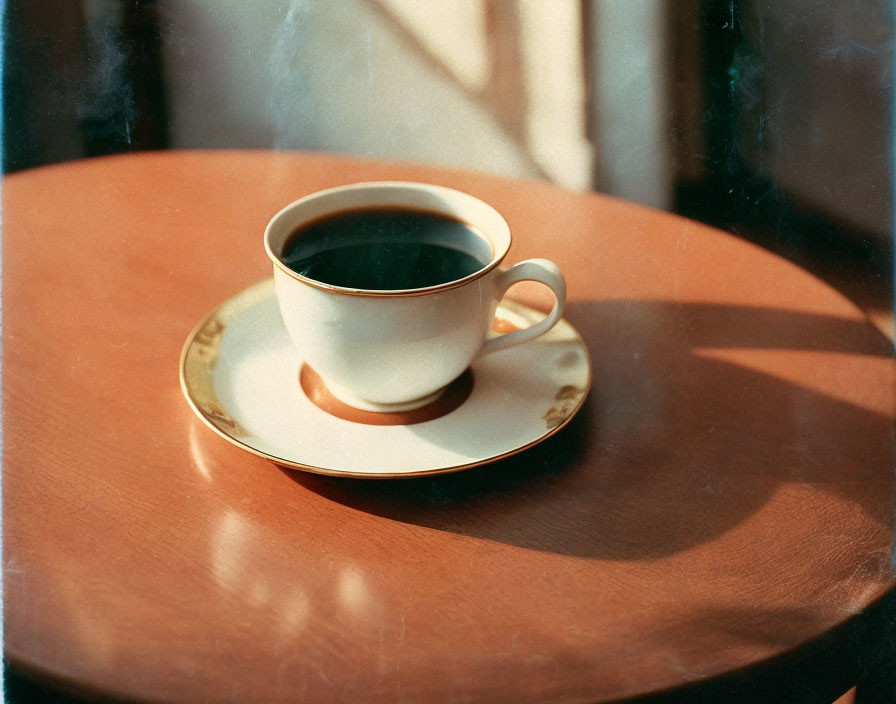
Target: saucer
<point>243,377</point>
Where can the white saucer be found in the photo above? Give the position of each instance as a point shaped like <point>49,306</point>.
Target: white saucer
<point>240,374</point>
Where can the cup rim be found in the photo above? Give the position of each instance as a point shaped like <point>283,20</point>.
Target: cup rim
<point>498,255</point>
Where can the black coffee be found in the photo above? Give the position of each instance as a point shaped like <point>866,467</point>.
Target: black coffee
<point>385,249</point>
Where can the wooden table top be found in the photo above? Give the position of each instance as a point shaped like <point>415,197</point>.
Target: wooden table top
<point>717,519</point>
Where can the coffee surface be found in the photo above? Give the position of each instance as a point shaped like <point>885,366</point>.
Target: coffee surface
<point>385,249</point>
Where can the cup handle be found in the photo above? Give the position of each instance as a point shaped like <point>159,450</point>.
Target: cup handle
<point>542,271</point>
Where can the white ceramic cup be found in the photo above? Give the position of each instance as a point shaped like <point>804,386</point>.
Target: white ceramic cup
<point>395,350</point>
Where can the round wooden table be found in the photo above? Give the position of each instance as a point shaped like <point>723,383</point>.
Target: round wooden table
<point>716,524</point>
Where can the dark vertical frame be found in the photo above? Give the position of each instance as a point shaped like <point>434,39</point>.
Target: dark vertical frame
<point>61,98</point>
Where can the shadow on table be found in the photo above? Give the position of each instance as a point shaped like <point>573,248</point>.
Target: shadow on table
<point>21,689</point>
<point>684,435</point>
<point>859,651</point>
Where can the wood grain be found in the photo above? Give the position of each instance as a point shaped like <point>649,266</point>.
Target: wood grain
<point>717,522</point>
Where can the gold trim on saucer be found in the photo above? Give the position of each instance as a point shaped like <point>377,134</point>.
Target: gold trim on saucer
<point>568,400</point>
<point>200,355</point>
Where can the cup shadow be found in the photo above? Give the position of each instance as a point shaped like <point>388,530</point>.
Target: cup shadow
<point>673,447</point>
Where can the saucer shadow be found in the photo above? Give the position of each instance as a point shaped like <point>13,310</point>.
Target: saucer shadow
<point>673,447</point>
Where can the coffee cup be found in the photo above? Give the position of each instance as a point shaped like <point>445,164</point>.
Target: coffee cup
<point>389,289</point>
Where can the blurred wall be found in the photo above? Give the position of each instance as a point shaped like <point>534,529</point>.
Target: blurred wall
<point>632,110</point>
<point>625,96</point>
<point>476,84</point>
